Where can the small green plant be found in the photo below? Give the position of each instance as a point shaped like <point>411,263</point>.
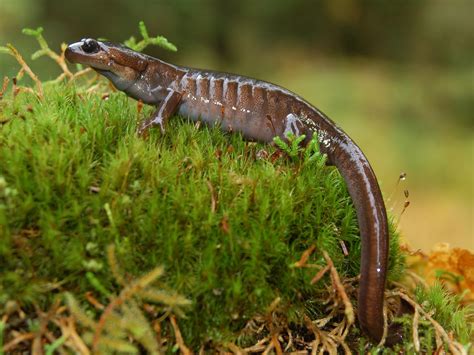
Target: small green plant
<point>159,41</point>
<point>123,317</point>
<point>296,151</point>
<point>50,349</point>
<point>446,309</point>
<point>46,51</point>
<point>293,146</point>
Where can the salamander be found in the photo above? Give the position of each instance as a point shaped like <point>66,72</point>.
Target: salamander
<point>260,111</point>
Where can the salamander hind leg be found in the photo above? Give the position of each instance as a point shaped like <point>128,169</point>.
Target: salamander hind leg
<point>295,126</point>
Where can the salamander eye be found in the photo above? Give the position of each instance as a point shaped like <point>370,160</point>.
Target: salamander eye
<point>90,46</point>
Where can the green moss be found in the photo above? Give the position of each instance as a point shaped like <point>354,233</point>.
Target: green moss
<point>447,311</point>
<point>227,226</point>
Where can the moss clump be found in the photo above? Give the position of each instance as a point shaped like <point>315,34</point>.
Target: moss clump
<point>226,225</point>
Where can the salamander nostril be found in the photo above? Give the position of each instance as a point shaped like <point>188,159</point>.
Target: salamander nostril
<point>90,46</point>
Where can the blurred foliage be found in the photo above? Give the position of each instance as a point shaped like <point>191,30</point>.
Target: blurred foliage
<point>437,31</point>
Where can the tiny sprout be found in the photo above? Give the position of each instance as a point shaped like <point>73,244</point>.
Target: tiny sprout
<point>147,40</point>
<point>32,32</point>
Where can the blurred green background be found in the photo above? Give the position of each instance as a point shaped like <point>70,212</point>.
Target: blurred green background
<point>398,76</point>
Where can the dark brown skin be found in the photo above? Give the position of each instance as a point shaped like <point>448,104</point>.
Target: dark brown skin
<point>260,111</point>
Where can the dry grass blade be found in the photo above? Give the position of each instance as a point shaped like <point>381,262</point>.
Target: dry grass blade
<point>179,338</point>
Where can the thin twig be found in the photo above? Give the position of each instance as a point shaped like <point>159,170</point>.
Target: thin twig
<point>454,347</point>
<point>77,340</point>
<point>320,274</point>
<point>18,339</point>
<point>385,325</point>
<point>93,301</point>
<point>6,80</point>
<point>234,348</point>
<point>276,344</point>
<point>60,59</point>
<point>81,73</point>
<point>179,338</point>
<point>268,348</point>
<point>349,310</point>
<point>39,87</point>
<point>416,340</point>
<point>305,256</point>
<point>257,348</point>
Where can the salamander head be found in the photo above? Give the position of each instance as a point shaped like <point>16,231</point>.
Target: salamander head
<point>118,63</point>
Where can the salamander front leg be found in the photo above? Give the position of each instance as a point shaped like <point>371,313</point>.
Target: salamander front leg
<point>166,109</point>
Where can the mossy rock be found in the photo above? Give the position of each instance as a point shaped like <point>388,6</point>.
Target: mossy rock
<point>227,219</point>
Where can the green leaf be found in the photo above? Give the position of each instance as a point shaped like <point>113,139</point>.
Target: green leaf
<point>147,40</point>
<point>95,282</point>
<point>2,328</point>
<point>39,53</point>
<point>50,348</point>
<point>5,50</point>
<point>280,143</point>
<point>131,43</point>
<point>293,147</point>
<point>143,30</point>
<point>32,32</point>
<point>164,43</point>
